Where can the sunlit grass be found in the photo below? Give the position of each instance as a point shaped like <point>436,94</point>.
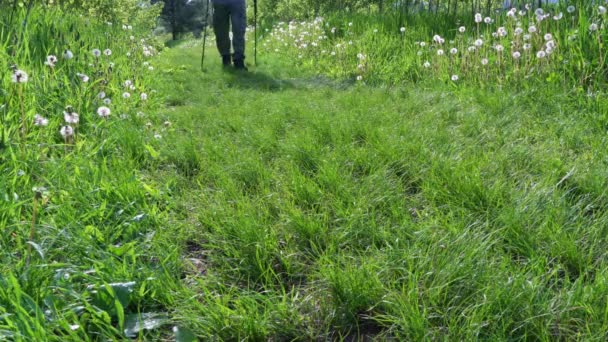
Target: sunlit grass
<point>284,204</point>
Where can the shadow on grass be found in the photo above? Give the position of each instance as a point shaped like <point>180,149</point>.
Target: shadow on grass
<point>256,80</point>
<point>170,43</point>
<point>262,81</point>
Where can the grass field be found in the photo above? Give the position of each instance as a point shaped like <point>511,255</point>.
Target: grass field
<point>285,205</point>
<point>314,209</point>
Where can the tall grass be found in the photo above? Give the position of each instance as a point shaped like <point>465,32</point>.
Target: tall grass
<point>76,221</point>
<point>560,45</point>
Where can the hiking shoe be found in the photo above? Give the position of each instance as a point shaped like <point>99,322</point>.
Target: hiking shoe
<point>239,64</point>
<point>226,61</point>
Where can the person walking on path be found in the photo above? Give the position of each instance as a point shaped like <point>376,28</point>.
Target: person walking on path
<point>226,13</point>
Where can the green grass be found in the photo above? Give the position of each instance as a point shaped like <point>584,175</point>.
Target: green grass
<point>283,205</point>
<point>317,209</point>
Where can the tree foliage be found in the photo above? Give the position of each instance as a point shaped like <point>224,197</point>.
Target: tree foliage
<point>180,16</point>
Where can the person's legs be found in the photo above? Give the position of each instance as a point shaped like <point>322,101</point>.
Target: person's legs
<point>221,26</point>
<point>238,18</point>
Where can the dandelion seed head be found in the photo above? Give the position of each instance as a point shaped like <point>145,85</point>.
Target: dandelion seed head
<point>66,131</point>
<point>541,54</point>
<point>96,52</point>
<point>51,61</point>
<point>478,18</point>
<point>67,54</point>
<point>143,96</point>
<point>39,120</point>
<point>19,76</point>
<point>571,9</point>
<point>454,78</point>
<point>84,78</point>
<point>71,117</point>
<point>484,61</point>
<point>107,52</point>
<point>462,29</point>
<point>103,112</point>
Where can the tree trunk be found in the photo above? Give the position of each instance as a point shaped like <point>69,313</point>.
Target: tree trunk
<point>174,19</point>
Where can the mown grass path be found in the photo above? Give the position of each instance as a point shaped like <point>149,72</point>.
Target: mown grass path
<point>309,209</point>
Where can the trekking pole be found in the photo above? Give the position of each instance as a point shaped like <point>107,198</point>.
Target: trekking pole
<point>255,32</point>
<point>205,34</point>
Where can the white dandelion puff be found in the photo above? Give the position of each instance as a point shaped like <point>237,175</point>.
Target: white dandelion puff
<point>39,120</point>
<point>84,78</point>
<point>19,76</point>
<point>66,131</point>
<point>51,61</point>
<point>71,117</point>
<point>103,112</point>
<point>67,54</point>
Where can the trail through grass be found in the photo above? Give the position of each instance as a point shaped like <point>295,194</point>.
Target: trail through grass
<point>311,209</point>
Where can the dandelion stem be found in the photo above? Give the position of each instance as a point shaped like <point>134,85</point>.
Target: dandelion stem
<point>32,231</point>
<point>23,126</point>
